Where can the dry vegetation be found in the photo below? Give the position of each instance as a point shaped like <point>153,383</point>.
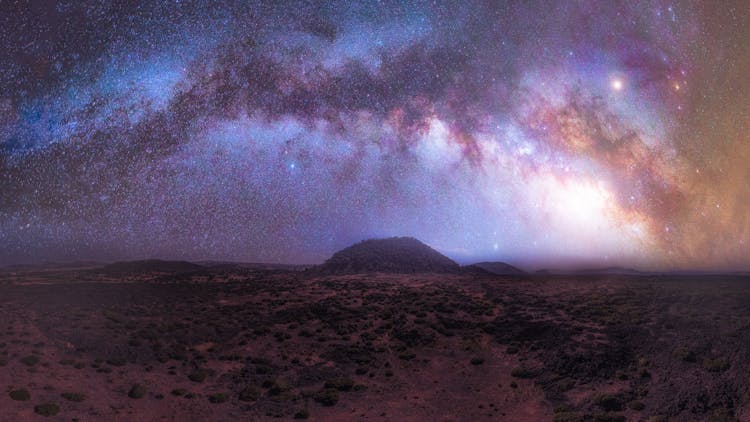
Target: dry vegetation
<point>242,344</point>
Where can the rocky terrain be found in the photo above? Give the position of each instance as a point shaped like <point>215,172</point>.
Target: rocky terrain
<point>237,343</point>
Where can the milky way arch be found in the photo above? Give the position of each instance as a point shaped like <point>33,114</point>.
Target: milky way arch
<point>539,133</point>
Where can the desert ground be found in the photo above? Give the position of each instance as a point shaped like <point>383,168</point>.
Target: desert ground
<point>237,343</point>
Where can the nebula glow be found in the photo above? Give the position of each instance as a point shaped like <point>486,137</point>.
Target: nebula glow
<point>533,132</point>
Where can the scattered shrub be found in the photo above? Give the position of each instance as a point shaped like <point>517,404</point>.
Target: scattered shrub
<point>75,397</point>
<point>116,361</point>
<point>715,365</point>
<point>522,372</point>
<point>249,394</point>
<point>407,355</point>
<point>137,391</point>
<point>278,387</point>
<point>198,376</point>
<point>218,398</point>
<point>47,409</point>
<point>636,405</point>
<point>30,360</point>
<point>568,417</point>
<point>608,402</point>
<point>20,395</point>
<point>302,414</point>
<point>566,384</point>
<point>684,354</point>
<point>477,361</point>
<point>327,396</point>
<point>605,417</point>
<point>721,415</point>
<point>341,384</point>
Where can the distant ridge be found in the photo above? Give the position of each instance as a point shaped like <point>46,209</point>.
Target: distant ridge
<point>51,265</point>
<point>402,255</point>
<point>151,266</point>
<point>609,270</point>
<point>254,266</point>
<point>596,271</point>
<point>497,268</point>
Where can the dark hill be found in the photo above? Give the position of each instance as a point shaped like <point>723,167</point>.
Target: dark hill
<point>402,255</point>
<point>498,268</point>
<point>151,266</point>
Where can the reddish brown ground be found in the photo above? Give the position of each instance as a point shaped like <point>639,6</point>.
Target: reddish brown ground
<point>403,348</point>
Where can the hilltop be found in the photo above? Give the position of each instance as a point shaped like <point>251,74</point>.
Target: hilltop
<point>403,255</point>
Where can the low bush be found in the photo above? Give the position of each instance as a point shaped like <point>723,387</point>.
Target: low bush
<point>74,397</point>
<point>684,354</point>
<point>218,398</point>
<point>522,372</point>
<point>249,394</point>
<point>137,391</point>
<point>47,409</point>
<point>198,375</point>
<point>327,396</point>
<point>715,365</point>
<point>30,360</point>
<point>608,402</point>
<point>20,395</point>
<point>340,384</point>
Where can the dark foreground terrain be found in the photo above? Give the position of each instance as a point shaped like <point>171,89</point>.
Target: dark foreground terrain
<point>232,343</point>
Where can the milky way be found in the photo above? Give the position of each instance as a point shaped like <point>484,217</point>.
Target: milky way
<point>540,133</point>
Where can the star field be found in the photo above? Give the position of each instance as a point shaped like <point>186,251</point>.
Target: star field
<point>539,133</point>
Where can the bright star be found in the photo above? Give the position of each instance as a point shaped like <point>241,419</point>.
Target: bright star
<point>617,84</point>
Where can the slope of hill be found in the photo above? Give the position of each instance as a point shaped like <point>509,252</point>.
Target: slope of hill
<point>498,268</point>
<point>404,255</point>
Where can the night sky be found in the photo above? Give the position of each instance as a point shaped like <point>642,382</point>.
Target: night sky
<point>535,132</point>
